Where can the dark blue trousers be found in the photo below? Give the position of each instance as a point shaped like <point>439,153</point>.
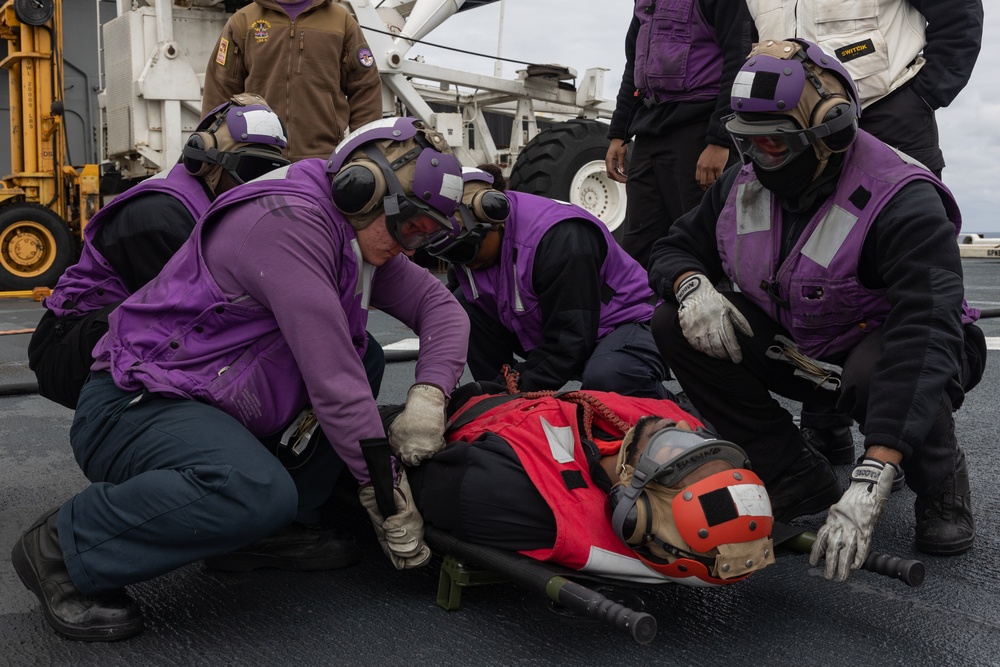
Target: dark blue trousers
<point>176,481</point>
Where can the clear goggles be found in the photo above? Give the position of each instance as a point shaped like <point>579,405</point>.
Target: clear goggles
<point>413,223</point>
<point>673,454</point>
<point>769,144</point>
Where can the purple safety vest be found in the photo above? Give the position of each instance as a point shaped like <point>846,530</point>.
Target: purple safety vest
<point>826,309</point>
<point>504,291</point>
<point>92,283</point>
<point>677,57</point>
<point>180,336</point>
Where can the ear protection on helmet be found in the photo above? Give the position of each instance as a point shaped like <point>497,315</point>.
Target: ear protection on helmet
<point>490,206</point>
<point>829,111</point>
<point>359,187</point>
<point>196,155</point>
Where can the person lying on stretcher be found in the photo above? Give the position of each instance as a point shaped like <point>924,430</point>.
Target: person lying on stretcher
<point>609,485</point>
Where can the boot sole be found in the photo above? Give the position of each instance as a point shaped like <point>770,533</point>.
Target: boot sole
<point>250,562</point>
<point>29,577</point>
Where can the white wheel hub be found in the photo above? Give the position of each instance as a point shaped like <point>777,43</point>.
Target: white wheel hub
<point>592,190</point>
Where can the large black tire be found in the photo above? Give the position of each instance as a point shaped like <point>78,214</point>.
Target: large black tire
<point>566,162</point>
<point>36,246</point>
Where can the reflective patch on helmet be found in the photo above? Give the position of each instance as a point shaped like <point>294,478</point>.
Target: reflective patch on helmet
<point>452,187</point>
<point>223,52</point>
<point>759,85</point>
<point>750,499</point>
<point>366,57</point>
<point>262,124</point>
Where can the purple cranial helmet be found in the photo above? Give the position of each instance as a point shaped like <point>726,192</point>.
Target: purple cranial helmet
<point>402,168</point>
<point>482,210</point>
<point>788,96</point>
<point>241,137</point>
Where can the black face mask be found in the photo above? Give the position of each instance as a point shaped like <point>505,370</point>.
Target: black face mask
<point>794,185</point>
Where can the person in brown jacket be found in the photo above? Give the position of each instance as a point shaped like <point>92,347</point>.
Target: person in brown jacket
<point>309,59</point>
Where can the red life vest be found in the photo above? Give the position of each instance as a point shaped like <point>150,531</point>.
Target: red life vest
<point>544,432</point>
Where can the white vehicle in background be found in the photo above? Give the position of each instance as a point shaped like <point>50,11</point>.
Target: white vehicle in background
<point>155,53</point>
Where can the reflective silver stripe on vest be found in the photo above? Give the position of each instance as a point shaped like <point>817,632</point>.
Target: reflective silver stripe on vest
<point>753,208</point>
<point>472,281</point>
<point>365,274</point>
<point>829,235</point>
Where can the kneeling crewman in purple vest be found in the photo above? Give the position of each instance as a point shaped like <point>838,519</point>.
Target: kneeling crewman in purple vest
<point>545,281</point>
<point>128,241</point>
<point>838,275</point>
<point>200,388</point>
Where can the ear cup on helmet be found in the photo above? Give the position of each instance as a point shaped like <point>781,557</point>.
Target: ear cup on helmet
<point>195,154</point>
<point>830,110</point>
<point>636,522</point>
<point>358,188</point>
<point>491,206</point>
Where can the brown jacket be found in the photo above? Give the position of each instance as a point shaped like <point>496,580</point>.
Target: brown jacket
<point>317,72</point>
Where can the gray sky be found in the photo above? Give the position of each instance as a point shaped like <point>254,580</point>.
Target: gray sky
<point>583,35</point>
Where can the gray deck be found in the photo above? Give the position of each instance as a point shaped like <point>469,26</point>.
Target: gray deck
<point>373,615</point>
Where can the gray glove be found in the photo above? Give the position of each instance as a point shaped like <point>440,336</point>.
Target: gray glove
<point>847,534</point>
<point>418,432</point>
<point>707,319</point>
<point>402,534</point>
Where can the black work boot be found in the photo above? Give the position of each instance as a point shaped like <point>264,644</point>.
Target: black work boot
<point>835,444</point>
<point>944,517</point>
<point>808,486</point>
<point>296,547</point>
<point>38,560</point>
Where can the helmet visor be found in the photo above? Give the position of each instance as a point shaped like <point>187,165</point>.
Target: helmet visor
<point>414,224</point>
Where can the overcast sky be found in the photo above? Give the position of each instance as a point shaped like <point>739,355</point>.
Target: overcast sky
<point>583,35</point>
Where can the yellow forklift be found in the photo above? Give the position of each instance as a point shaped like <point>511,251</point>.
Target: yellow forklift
<point>44,203</point>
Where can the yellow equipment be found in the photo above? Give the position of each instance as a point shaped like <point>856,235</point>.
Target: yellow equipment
<point>44,203</point>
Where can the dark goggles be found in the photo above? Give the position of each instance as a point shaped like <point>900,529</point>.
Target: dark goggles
<point>246,165</point>
<point>463,248</point>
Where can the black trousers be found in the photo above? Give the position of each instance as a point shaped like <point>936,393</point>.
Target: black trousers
<point>904,121</point>
<point>737,399</point>
<point>661,184</point>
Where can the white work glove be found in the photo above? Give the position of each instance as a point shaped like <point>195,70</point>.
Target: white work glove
<point>402,534</point>
<point>418,432</point>
<point>847,534</point>
<point>707,319</point>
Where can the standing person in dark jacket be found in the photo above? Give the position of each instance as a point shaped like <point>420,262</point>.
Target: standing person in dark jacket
<point>681,56</point>
<point>309,58</point>
<point>544,280</point>
<point>839,248</point>
<point>128,242</point>
<point>907,58</point>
